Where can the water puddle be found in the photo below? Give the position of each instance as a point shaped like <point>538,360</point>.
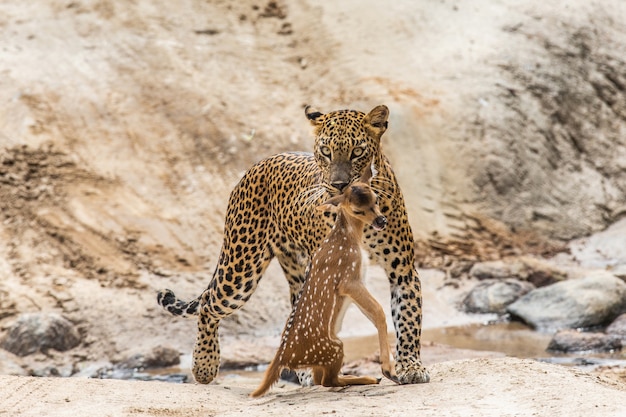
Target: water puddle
<point>518,340</point>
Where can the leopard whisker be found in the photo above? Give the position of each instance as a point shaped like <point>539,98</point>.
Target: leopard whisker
<point>313,194</point>
<point>382,180</point>
<point>381,192</point>
<point>311,190</point>
<point>313,198</point>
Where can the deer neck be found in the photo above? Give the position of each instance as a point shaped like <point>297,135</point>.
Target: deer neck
<point>350,226</point>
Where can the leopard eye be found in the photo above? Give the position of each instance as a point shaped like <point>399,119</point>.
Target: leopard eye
<point>357,152</point>
<point>325,150</point>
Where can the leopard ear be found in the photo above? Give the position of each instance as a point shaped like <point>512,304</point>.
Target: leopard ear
<point>312,114</point>
<point>375,122</point>
<point>331,204</point>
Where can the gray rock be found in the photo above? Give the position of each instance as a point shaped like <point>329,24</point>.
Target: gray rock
<point>575,341</point>
<point>536,271</point>
<point>603,250</point>
<point>618,327</point>
<point>39,332</point>
<point>497,270</point>
<point>578,303</point>
<point>158,357</point>
<point>93,370</point>
<point>492,296</point>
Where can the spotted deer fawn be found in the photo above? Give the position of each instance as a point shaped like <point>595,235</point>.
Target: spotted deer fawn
<point>334,279</point>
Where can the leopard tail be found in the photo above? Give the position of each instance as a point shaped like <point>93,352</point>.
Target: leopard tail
<point>168,300</point>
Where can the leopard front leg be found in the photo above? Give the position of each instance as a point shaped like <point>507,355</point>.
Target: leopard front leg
<point>406,310</point>
<point>393,249</point>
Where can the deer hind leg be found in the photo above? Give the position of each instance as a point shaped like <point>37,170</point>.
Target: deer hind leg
<point>294,264</point>
<point>331,377</point>
<point>317,375</point>
<point>357,380</point>
<point>374,312</point>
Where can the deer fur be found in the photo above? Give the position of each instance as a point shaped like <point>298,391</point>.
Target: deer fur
<point>309,339</point>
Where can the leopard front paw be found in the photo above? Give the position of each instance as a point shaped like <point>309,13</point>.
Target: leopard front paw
<point>412,372</point>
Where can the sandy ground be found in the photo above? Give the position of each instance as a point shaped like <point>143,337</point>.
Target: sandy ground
<point>480,387</point>
<point>124,126</point>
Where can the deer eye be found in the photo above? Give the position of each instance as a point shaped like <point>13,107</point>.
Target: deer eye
<point>325,150</point>
<point>358,212</point>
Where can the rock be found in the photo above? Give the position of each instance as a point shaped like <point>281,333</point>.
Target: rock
<point>536,271</point>
<point>618,327</point>
<point>497,270</point>
<point>492,296</point>
<point>39,332</point>
<point>93,370</point>
<point>603,250</point>
<point>541,273</point>
<point>11,364</point>
<point>575,341</point>
<point>577,303</point>
<point>158,357</point>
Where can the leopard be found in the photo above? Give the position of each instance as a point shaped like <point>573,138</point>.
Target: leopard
<point>271,214</point>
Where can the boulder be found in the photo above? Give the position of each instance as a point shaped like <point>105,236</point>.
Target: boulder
<point>493,296</point>
<point>534,270</point>
<point>38,332</point>
<point>157,357</point>
<point>496,270</point>
<point>618,326</point>
<point>577,303</point>
<point>575,341</point>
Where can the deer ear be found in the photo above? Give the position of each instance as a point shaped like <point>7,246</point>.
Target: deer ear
<point>331,204</point>
<point>366,176</point>
<point>312,114</point>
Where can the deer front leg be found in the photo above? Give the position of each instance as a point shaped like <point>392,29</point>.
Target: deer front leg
<point>374,312</point>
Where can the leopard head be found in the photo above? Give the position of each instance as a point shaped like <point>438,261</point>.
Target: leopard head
<point>346,142</point>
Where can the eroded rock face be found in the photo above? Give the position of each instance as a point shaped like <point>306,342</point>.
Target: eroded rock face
<point>577,303</point>
<point>38,332</point>
<point>553,145</point>
<point>492,296</point>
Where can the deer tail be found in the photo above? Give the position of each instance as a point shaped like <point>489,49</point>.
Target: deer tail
<point>271,376</point>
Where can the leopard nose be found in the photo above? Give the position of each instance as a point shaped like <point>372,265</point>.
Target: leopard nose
<point>340,185</point>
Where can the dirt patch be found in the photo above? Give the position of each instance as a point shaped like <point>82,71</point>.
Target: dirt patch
<point>35,190</point>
